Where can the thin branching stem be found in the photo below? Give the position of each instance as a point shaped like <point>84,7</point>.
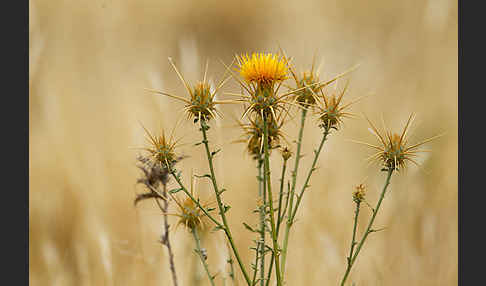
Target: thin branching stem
<point>280,198</point>
<point>293,212</point>
<point>312,169</point>
<point>267,180</point>
<point>292,189</point>
<point>279,217</point>
<point>369,228</point>
<point>257,257</point>
<point>230,262</point>
<point>263,197</point>
<point>222,208</point>
<point>199,252</point>
<point>353,240</point>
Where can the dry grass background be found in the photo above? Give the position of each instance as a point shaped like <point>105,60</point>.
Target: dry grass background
<point>89,63</point>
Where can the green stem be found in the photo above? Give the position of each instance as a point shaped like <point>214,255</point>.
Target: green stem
<point>257,256</point>
<point>222,209</point>
<point>262,193</point>
<point>282,182</point>
<point>201,256</point>
<point>279,217</point>
<point>267,180</point>
<point>297,161</point>
<point>230,261</point>
<point>353,241</point>
<point>312,169</point>
<point>368,229</point>
<point>293,211</point>
<point>292,189</point>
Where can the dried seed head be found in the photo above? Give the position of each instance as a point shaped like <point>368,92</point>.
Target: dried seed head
<point>359,194</point>
<point>331,110</point>
<point>394,151</point>
<point>329,113</point>
<point>201,104</point>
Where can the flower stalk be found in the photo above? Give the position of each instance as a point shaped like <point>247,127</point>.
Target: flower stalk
<point>222,208</point>
<point>279,216</point>
<point>294,181</point>
<point>201,254</point>
<point>267,182</point>
<point>369,228</point>
<point>353,241</point>
<point>312,169</point>
<point>261,246</point>
<point>292,211</point>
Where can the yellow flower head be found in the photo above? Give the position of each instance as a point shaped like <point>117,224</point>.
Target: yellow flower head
<point>262,69</point>
<point>394,151</point>
<point>262,75</point>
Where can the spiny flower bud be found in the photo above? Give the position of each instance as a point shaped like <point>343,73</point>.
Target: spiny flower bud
<point>307,97</point>
<point>359,194</point>
<point>286,153</point>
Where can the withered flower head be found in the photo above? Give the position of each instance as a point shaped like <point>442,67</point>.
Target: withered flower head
<point>201,104</point>
<point>153,173</point>
<point>394,151</point>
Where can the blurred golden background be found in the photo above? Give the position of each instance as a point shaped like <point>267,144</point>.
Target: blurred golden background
<point>89,62</point>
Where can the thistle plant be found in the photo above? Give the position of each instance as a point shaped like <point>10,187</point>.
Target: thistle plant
<point>266,109</point>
